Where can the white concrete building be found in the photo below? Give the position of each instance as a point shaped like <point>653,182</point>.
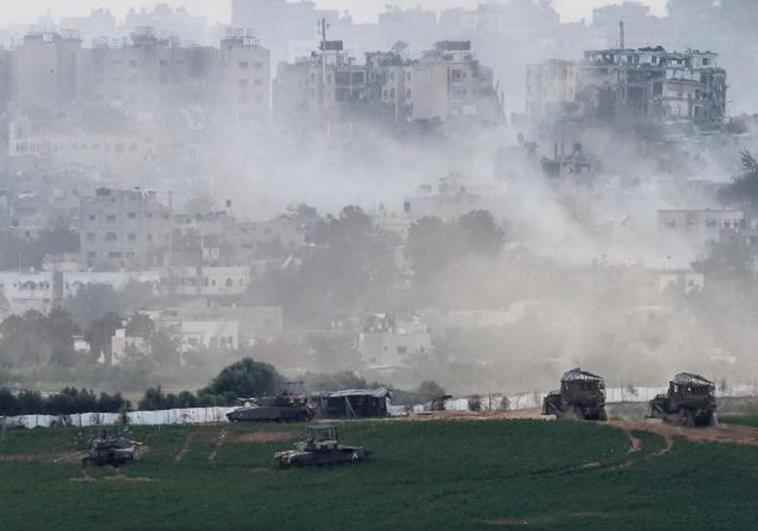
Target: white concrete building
<point>74,281</point>
<point>206,281</point>
<point>34,290</point>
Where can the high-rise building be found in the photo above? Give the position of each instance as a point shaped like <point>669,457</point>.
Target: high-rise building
<point>145,73</point>
<point>445,84</point>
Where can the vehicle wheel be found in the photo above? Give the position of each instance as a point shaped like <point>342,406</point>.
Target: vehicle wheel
<point>577,413</point>
<point>686,418</point>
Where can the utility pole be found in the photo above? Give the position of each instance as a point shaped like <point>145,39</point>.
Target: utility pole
<point>621,34</point>
<point>322,31</point>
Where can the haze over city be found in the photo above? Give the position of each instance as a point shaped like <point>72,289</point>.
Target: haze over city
<point>363,11</point>
<point>243,242</point>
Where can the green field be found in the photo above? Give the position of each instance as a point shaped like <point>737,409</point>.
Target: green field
<point>745,420</point>
<point>432,475</point>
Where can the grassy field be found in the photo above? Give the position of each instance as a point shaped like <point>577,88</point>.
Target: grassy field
<point>750,419</point>
<point>432,475</point>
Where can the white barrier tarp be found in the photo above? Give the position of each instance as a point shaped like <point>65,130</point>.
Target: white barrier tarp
<point>214,415</point>
<point>198,415</point>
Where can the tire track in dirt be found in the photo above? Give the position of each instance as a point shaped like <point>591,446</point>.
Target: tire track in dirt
<point>217,447</point>
<point>726,433</point>
<point>185,447</point>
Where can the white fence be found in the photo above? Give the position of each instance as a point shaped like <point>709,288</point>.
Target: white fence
<point>212,415</point>
<point>198,415</point>
<point>614,395</point>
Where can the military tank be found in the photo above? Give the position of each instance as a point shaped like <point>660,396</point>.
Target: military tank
<point>689,402</point>
<point>321,448</point>
<point>110,449</point>
<point>284,407</point>
<point>581,397</point>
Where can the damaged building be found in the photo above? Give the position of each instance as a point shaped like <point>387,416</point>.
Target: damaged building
<point>445,84</point>
<point>649,83</point>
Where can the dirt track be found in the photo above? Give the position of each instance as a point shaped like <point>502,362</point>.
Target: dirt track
<point>728,433</point>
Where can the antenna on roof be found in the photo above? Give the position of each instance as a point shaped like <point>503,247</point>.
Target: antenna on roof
<point>621,34</point>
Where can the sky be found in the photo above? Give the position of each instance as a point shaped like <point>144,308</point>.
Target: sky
<point>19,12</point>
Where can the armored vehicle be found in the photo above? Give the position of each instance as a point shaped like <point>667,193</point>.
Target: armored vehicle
<point>284,407</point>
<point>689,402</point>
<point>110,449</point>
<point>581,397</point>
<point>321,448</point>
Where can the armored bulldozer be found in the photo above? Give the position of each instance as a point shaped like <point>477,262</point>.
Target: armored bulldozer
<point>110,449</point>
<point>690,402</point>
<point>321,448</point>
<point>284,407</point>
<point>581,397</point>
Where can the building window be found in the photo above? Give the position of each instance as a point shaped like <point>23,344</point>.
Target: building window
<point>90,236</point>
<point>131,215</point>
<point>132,237</point>
<point>456,75</point>
<point>243,65</point>
<point>114,255</point>
<point>258,82</point>
<point>111,237</point>
<point>257,65</point>
<point>133,64</point>
<point>242,82</point>
<point>111,218</point>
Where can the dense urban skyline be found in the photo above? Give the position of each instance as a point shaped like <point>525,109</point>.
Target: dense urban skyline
<point>367,10</point>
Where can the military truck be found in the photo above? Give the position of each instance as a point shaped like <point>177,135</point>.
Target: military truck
<point>581,397</point>
<point>284,407</point>
<point>690,402</point>
<point>110,449</point>
<point>321,448</point>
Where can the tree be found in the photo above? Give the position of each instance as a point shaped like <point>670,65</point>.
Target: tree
<point>92,302</point>
<point>352,267</point>
<point>245,378</point>
<point>431,389</point>
<point>480,233</point>
<point>164,350</point>
<point>100,335</point>
<point>61,329</point>
<point>140,325</point>
<point>24,340</point>
<point>744,187</point>
<point>9,406</point>
<point>31,403</point>
<point>433,245</point>
<point>430,246</point>
<point>154,400</point>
